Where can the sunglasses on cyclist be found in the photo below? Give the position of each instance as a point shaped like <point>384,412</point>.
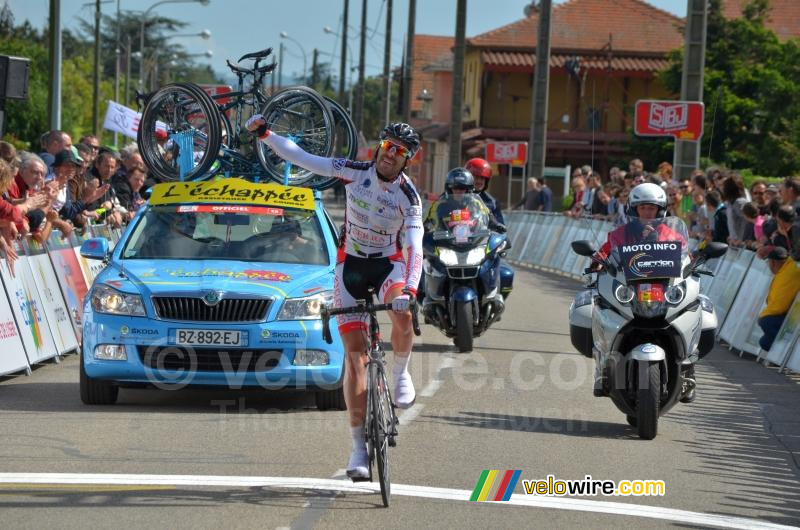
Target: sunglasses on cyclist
<point>399,150</point>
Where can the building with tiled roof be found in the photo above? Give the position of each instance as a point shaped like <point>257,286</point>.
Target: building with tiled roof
<point>783,18</point>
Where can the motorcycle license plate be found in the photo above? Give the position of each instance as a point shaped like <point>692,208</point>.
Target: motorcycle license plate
<point>201,337</point>
<point>650,292</point>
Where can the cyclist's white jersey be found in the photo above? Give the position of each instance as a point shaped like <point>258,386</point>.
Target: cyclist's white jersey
<point>378,213</point>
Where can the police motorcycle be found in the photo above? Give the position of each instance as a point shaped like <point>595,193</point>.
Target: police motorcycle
<point>643,319</point>
<point>464,290</point>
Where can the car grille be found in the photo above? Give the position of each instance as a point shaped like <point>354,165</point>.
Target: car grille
<point>226,310</point>
<point>176,358</point>
<point>462,273</point>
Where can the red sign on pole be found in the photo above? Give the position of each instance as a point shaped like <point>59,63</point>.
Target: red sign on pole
<point>514,153</point>
<point>680,119</point>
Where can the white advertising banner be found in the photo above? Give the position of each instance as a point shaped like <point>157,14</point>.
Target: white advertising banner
<point>124,120</point>
<point>12,352</point>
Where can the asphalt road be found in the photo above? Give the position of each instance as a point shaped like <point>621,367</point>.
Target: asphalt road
<point>522,400</point>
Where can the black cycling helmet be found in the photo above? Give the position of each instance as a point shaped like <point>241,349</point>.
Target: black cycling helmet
<point>459,178</point>
<point>403,132</point>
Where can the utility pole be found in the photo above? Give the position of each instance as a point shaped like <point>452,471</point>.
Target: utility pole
<point>314,76</point>
<point>96,98</point>
<point>359,117</point>
<point>457,117</point>
<point>54,95</point>
<point>117,52</point>
<point>280,65</point>
<point>408,65</point>
<point>537,144</point>
<point>343,63</point>
<point>387,58</point>
<point>687,153</point>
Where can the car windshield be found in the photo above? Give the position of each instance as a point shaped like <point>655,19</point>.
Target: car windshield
<point>222,232</point>
<point>652,248</point>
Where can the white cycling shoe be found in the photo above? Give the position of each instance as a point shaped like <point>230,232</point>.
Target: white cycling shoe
<point>404,393</point>
<point>358,466</point>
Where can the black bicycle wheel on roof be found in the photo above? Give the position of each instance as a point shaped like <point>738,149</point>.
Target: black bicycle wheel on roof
<point>192,124</point>
<point>345,142</point>
<point>301,114</point>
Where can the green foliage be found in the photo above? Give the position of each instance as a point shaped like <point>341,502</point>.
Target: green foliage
<point>751,92</point>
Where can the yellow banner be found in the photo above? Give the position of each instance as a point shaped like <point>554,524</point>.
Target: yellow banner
<point>236,191</point>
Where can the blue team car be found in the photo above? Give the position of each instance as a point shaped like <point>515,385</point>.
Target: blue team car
<point>214,283</point>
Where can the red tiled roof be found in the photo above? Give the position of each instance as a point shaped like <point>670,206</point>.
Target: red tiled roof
<point>783,18</point>
<point>526,60</point>
<point>428,50</point>
<point>634,26</point>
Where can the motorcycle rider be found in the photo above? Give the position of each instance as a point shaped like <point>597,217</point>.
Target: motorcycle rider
<point>457,184</point>
<point>482,171</point>
<point>382,207</point>
<point>646,202</point>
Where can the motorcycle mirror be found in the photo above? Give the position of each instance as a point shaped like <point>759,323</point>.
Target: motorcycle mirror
<point>583,248</point>
<point>715,249</point>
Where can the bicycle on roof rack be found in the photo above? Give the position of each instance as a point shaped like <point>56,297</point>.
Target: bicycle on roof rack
<point>187,134</point>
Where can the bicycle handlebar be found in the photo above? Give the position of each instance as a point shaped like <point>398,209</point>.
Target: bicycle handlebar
<point>236,69</point>
<point>360,308</point>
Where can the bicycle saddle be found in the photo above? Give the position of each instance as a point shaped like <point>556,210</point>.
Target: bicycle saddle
<point>236,69</point>
<point>255,55</point>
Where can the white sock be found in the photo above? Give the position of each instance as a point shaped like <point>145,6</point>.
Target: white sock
<point>400,365</point>
<point>359,440</point>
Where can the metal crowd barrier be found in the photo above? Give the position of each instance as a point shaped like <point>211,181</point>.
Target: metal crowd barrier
<point>738,289</point>
<point>41,312</point>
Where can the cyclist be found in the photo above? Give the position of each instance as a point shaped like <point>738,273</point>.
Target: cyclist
<point>482,171</point>
<point>382,207</point>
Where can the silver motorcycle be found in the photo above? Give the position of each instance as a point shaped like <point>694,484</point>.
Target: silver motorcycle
<point>642,317</point>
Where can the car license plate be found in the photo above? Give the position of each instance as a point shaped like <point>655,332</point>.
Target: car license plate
<point>204,337</point>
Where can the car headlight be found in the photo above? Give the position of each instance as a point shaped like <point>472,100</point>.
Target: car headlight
<point>583,298</point>
<point>675,294</point>
<point>448,256</point>
<point>106,299</point>
<point>623,293</point>
<point>305,308</point>
<point>476,255</point>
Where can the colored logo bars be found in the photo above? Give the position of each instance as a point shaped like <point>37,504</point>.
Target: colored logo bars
<point>495,485</point>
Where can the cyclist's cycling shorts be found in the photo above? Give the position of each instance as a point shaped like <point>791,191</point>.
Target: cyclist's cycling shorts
<point>354,275</point>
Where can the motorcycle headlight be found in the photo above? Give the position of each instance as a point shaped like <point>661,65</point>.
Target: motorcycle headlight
<point>448,256</point>
<point>583,298</point>
<point>623,293</point>
<point>106,299</point>
<point>675,294</point>
<point>305,308</point>
<point>475,256</point>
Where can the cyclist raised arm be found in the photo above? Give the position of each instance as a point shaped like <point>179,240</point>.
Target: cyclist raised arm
<point>383,209</point>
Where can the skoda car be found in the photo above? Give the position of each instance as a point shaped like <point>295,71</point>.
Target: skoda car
<point>217,283</point>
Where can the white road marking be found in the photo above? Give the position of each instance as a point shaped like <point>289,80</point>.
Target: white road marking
<point>408,415</point>
<point>433,385</point>
<point>557,503</point>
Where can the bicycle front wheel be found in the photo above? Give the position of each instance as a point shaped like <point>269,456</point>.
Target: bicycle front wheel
<point>381,428</point>
<point>345,144</point>
<point>192,124</point>
<point>301,114</point>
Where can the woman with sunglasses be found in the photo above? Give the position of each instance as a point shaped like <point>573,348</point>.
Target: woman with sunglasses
<point>383,208</point>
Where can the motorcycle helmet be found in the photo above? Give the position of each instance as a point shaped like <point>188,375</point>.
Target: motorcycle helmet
<point>404,133</point>
<point>459,178</point>
<point>479,168</point>
<point>647,193</point>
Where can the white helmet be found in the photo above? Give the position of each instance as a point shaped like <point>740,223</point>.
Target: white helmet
<point>647,193</point>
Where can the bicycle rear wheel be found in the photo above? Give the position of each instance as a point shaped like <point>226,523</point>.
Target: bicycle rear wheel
<point>301,114</point>
<point>193,126</point>
<point>382,424</point>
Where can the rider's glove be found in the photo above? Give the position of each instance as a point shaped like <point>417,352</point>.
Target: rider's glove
<point>261,130</point>
<point>401,303</point>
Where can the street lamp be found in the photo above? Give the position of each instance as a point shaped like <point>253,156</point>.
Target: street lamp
<point>285,35</point>
<point>349,55</point>
<point>144,21</point>
<point>205,35</point>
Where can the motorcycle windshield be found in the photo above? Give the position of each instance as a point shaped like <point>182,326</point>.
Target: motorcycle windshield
<point>650,248</point>
<point>462,221</point>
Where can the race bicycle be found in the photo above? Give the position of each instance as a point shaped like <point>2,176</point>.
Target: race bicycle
<point>380,420</point>
<point>187,134</point>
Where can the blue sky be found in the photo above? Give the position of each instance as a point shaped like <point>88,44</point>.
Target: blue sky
<point>240,26</point>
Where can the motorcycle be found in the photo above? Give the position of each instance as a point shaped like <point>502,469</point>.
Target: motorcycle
<point>465,286</point>
<point>643,320</point>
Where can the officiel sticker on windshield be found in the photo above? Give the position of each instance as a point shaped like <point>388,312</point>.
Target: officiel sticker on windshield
<point>236,191</point>
<point>229,208</point>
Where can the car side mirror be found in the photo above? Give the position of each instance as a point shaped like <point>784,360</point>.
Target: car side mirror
<point>583,248</point>
<point>95,248</point>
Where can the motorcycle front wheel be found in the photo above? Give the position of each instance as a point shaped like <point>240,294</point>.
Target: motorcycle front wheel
<point>648,396</point>
<point>463,338</point>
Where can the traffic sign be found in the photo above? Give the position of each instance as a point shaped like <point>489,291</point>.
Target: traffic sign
<point>681,119</point>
